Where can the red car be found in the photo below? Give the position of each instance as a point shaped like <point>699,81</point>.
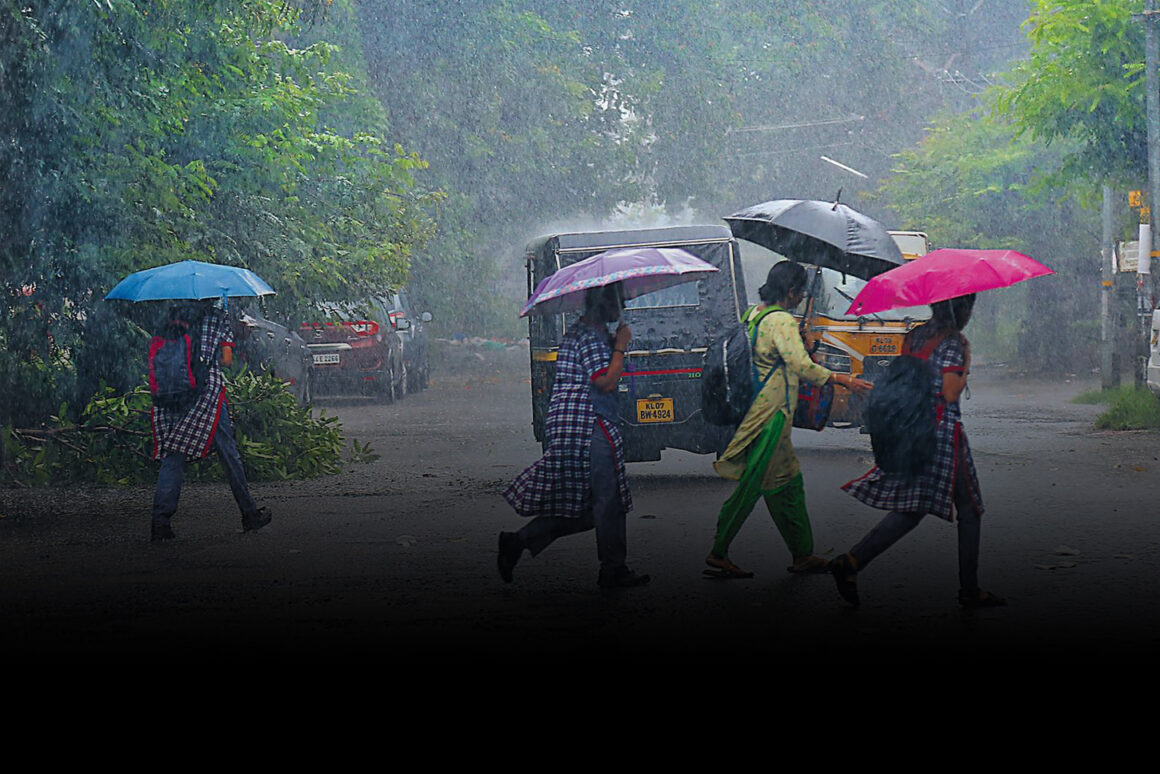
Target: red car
<point>357,351</point>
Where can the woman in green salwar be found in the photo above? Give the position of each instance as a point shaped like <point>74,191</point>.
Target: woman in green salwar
<point>760,457</point>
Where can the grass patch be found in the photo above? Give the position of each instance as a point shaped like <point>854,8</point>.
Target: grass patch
<point>1129,408</point>
<point>1092,397</point>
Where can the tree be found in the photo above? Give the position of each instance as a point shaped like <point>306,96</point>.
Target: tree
<point>542,115</point>
<point>139,133</point>
<point>1084,81</point>
<point>974,181</point>
<point>508,110</point>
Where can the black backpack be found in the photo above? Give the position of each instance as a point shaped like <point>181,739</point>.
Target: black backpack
<point>901,413</point>
<point>729,380</point>
<point>177,376</point>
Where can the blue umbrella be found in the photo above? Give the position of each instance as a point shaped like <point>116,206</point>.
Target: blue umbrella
<point>193,280</point>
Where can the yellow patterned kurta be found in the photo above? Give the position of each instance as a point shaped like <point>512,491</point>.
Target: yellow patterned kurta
<point>777,340</point>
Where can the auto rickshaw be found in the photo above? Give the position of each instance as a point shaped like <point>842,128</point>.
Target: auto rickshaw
<point>660,392</point>
<point>861,346</point>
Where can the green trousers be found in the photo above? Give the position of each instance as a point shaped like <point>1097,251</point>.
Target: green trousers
<point>787,504</point>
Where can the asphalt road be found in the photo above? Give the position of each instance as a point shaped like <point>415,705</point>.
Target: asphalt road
<point>397,557</point>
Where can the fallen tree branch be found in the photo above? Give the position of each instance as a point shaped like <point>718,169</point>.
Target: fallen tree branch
<point>47,432</point>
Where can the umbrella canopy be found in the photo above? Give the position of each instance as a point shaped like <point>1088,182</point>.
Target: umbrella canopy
<point>191,280</point>
<point>639,270</point>
<point>821,233</point>
<point>943,274</point>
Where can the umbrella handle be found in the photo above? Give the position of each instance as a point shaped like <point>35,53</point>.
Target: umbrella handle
<point>814,283</point>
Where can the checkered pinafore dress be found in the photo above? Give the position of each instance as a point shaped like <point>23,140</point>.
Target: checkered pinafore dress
<point>191,432</point>
<point>932,490</point>
<point>559,483</point>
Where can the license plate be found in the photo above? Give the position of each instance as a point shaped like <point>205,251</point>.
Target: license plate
<point>330,357</point>
<point>654,410</point>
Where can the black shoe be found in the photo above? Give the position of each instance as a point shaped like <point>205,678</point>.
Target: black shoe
<point>844,574</point>
<point>159,532</point>
<point>510,550</point>
<point>621,578</point>
<point>256,519</point>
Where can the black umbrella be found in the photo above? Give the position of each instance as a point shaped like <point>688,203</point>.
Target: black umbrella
<point>821,233</point>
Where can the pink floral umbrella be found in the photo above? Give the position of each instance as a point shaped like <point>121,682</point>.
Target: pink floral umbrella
<point>943,274</point>
<point>639,270</point>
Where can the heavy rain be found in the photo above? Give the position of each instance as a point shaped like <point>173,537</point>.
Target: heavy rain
<point>354,435</point>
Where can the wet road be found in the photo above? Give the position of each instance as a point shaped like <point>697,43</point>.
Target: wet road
<point>397,556</point>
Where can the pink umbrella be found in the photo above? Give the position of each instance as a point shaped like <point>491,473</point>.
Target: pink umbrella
<point>639,270</point>
<point>943,274</point>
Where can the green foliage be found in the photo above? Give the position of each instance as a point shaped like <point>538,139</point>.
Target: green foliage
<point>362,453</point>
<point>1092,397</point>
<point>974,181</point>
<point>278,438</point>
<point>109,445</point>
<point>112,441</point>
<point>139,133</point>
<point>542,115</point>
<point>317,142</point>
<point>1129,408</point>
<point>506,107</point>
<point>1084,81</point>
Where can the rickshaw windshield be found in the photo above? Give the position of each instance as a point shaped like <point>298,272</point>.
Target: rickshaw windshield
<point>839,291</point>
<point>834,296</point>
<point>686,294</point>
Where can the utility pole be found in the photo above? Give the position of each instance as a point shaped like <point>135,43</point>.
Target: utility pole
<point>1152,84</point>
<point>1144,292</point>
<point>1109,372</point>
<point>1144,283</point>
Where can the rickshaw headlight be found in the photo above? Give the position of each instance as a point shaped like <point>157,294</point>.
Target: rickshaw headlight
<point>833,358</point>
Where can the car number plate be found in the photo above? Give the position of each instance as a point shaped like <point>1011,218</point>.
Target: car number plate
<point>329,357</point>
<point>654,410</point>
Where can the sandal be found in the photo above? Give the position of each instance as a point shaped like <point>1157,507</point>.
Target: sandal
<point>723,567</point>
<point>808,564</point>
<point>980,599</point>
<point>842,568</point>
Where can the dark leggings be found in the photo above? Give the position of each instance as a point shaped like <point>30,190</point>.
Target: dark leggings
<point>606,514</point>
<point>172,472</point>
<point>896,524</point>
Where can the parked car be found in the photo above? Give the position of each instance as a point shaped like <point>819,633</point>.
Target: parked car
<point>414,335</point>
<point>268,347</point>
<point>356,350</point>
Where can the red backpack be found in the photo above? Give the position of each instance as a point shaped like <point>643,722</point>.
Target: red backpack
<point>177,376</point>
